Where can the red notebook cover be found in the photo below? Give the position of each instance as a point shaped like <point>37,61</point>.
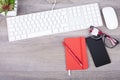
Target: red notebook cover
<point>76,56</point>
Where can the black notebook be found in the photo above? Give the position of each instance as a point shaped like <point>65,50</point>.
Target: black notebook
<point>98,51</point>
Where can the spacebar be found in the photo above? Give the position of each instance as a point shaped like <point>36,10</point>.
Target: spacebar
<point>41,33</point>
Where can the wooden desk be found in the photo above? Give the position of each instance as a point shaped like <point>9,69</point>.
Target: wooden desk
<point>43,57</point>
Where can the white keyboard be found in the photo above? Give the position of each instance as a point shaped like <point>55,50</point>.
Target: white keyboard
<point>52,22</point>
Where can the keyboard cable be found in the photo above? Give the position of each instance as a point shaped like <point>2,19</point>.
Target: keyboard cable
<point>54,4</point>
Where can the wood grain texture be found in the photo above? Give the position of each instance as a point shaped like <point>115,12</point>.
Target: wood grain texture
<point>43,58</point>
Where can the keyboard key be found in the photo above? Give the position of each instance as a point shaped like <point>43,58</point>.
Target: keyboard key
<point>42,33</point>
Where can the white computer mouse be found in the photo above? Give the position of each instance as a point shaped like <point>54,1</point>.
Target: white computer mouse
<point>110,17</point>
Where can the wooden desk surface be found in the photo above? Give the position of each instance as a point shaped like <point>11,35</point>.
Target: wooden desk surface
<point>43,58</point>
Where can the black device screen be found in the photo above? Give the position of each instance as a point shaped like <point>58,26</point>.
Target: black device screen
<point>98,51</point>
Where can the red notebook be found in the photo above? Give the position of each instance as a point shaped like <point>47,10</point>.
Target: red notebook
<point>76,56</point>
